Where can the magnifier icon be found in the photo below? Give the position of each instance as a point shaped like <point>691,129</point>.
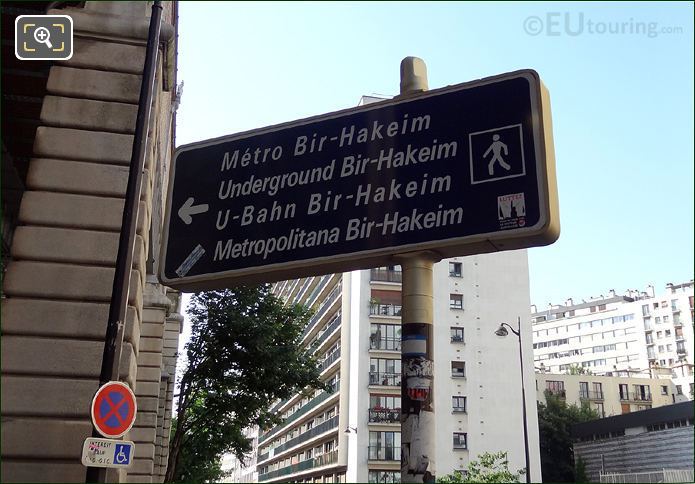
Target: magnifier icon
<point>43,36</point>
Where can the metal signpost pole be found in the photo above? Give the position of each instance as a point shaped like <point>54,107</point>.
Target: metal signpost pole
<point>417,397</point>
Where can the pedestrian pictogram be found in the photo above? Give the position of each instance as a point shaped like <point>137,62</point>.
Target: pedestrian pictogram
<point>496,147</point>
<point>497,154</point>
<point>113,409</point>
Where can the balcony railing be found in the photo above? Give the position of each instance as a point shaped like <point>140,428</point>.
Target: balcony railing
<point>385,309</point>
<point>380,415</point>
<point>388,344</point>
<point>386,275</point>
<point>591,395</point>
<point>318,461</point>
<point>456,338</point>
<point>327,332</point>
<point>385,453</point>
<point>329,360</point>
<point>557,392</point>
<point>387,379</point>
<point>624,396</point>
<point>642,398</point>
<point>329,424</point>
<point>681,351</point>
<point>302,410</point>
<point>321,312</point>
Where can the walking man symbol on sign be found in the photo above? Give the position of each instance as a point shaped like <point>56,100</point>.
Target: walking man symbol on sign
<point>496,147</point>
<point>496,154</point>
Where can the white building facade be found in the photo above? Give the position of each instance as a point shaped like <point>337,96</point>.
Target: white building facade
<point>637,334</point>
<point>353,434</point>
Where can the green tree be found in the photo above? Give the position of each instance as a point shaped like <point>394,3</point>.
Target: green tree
<point>244,353</point>
<point>575,369</point>
<point>555,418</point>
<point>490,467</point>
<point>580,471</point>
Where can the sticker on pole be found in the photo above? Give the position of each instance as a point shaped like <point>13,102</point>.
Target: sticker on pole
<point>113,409</point>
<point>107,453</point>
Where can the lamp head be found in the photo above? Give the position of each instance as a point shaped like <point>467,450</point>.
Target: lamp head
<point>501,331</point>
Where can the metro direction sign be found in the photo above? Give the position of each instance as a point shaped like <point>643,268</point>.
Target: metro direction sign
<point>461,170</point>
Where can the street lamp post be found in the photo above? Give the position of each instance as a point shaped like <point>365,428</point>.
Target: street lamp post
<point>502,331</point>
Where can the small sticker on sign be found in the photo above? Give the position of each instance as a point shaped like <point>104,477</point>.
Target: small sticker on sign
<point>190,261</point>
<point>511,211</point>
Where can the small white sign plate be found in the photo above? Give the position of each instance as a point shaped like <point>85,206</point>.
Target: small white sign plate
<point>107,453</point>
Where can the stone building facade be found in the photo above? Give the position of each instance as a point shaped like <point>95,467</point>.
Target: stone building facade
<point>67,145</point>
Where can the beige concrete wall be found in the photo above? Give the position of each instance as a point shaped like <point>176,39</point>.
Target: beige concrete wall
<point>58,283</point>
<point>612,403</point>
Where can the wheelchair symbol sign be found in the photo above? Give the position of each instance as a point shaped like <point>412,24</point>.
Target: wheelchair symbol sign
<point>121,454</point>
<point>97,452</point>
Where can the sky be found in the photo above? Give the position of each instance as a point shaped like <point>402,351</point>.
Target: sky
<point>620,77</point>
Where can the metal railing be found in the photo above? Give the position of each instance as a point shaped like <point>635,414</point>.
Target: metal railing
<point>456,338</point>
<point>387,379</point>
<point>377,452</point>
<point>329,360</point>
<point>389,344</point>
<point>557,392</point>
<point>642,398</point>
<point>591,395</point>
<point>386,275</point>
<point>665,475</point>
<point>313,432</point>
<point>318,461</point>
<point>327,332</point>
<point>377,415</point>
<point>385,309</point>
<point>625,396</point>
<point>321,312</point>
<point>313,403</point>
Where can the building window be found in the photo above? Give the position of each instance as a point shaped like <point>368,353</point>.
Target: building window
<point>664,389</point>
<point>600,409</point>
<point>385,446</point>
<point>384,371</point>
<point>460,440</point>
<point>584,389</point>
<point>385,337</point>
<point>458,369</point>
<point>642,393</point>
<point>456,301</point>
<point>601,307</point>
<point>456,335</point>
<point>384,477</point>
<point>458,403</point>
<point>455,269</point>
<point>384,408</point>
<point>645,310</point>
<point>679,389</point>
<point>674,305</point>
<point>555,387</point>
<point>624,394</point>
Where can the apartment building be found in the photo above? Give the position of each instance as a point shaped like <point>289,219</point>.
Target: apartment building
<point>608,395</point>
<point>636,334</point>
<point>352,434</point>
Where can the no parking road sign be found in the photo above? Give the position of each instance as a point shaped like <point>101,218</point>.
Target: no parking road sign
<point>113,409</point>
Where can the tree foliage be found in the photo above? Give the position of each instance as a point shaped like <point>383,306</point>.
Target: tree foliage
<point>490,467</point>
<point>576,369</point>
<point>244,353</point>
<point>580,474</point>
<point>555,419</point>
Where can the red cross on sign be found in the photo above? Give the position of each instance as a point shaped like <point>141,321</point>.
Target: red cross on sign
<point>113,409</point>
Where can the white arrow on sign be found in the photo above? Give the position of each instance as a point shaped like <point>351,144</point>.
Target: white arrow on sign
<point>188,209</point>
